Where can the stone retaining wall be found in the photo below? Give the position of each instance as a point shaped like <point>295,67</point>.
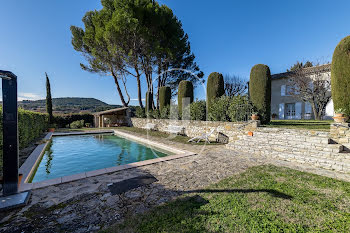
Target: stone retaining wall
<point>196,128</point>
<point>340,133</point>
<point>301,146</point>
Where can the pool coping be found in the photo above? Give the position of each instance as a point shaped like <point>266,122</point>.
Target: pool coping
<point>35,157</point>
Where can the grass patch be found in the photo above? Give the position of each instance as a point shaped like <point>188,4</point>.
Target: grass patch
<point>301,124</point>
<point>263,199</point>
<point>177,138</point>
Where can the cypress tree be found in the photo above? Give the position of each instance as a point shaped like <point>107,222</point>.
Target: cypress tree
<point>48,99</point>
<point>185,91</point>
<point>149,98</point>
<point>164,97</point>
<point>260,91</point>
<point>215,87</point>
<point>340,76</point>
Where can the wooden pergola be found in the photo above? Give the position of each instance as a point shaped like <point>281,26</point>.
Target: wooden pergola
<point>117,117</point>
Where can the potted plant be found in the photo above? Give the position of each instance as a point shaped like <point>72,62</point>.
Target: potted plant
<point>274,116</point>
<point>255,116</point>
<point>340,116</point>
<point>52,128</point>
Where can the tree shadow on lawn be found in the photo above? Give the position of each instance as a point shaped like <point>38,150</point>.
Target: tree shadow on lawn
<point>184,214</point>
<point>272,192</point>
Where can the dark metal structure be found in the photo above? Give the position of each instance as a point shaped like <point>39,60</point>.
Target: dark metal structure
<point>10,133</point>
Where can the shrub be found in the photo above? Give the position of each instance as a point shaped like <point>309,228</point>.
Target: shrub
<point>260,91</point>
<point>185,91</point>
<point>31,125</point>
<point>215,87</point>
<point>140,112</point>
<point>218,110</point>
<point>240,109</point>
<point>340,75</point>
<point>164,113</point>
<point>198,110</point>
<point>155,114</point>
<point>77,124</point>
<point>174,112</point>
<point>149,101</point>
<point>65,120</point>
<point>164,97</point>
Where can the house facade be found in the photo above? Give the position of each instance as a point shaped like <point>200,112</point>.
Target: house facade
<point>286,106</point>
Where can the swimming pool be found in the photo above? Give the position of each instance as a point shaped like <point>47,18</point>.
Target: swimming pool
<point>68,155</point>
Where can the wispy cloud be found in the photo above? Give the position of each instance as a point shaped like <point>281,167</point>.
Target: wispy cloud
<point>137,99</point>
<point>28,96</point>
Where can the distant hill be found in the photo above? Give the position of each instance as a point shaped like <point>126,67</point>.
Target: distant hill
<point>67,105</point>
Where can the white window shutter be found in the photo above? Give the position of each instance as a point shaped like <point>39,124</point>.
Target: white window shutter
<point>281,111</point>
<point>283,90</point>
<point>308,108</point>
<point>298,110</point>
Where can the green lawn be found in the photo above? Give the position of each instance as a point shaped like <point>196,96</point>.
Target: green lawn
<point>263,199</point>
<point>301,124</point>
<point>178,138</point>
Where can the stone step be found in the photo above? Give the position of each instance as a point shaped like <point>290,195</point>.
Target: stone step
<point>327,163</point>
<point>328,151</point>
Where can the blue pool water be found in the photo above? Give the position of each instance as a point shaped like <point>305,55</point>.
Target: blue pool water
<point>68,155</point>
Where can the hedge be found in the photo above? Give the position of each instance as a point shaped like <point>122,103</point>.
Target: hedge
<point>31,125</point>
<point>63,121</point>
<point>260,91</point>
<point>340,76</point>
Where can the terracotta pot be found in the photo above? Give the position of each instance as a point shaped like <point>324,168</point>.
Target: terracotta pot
<point>341,119</point>
<point>255,117</point>
<point>51,129</point>
<point>339,115</point>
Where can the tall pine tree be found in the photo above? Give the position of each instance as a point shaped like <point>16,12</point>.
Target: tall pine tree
<point>48,99</point>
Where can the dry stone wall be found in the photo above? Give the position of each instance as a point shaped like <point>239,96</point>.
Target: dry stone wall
<point>301,146</point>
<point>340,133</point>
<point>197,128</point>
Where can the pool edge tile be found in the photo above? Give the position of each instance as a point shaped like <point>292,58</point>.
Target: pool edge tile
<point>74,177</point>
<point>96,172</point>
<point>45,183</point>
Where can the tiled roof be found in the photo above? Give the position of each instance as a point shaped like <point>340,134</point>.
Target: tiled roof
<point>111,111</point>
<point>306,71</point>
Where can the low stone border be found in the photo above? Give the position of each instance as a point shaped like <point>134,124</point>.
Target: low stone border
<point>37,154</point>
<point>29,165</point>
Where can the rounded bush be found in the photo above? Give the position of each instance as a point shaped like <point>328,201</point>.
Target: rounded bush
<point>164,97</point>
<point>340,75</point>
<point>215,87</point>
<point>185,91</point>
<point>260,91</point>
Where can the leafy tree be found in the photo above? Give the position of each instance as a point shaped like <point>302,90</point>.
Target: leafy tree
<point>48,100</point>
<point>129,38</point>
<point>299,65</point>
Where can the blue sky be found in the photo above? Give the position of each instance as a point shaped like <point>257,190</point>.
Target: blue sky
<point>226,36</point>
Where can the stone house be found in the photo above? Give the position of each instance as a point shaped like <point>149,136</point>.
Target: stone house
<point>286,106</point>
